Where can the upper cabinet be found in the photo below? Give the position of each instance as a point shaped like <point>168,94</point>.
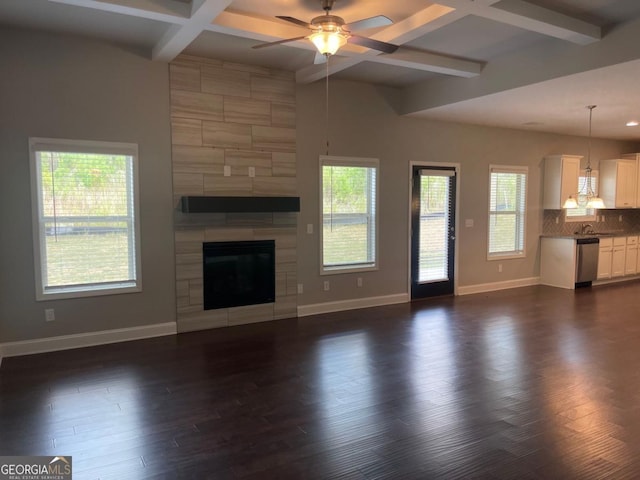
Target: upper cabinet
<point>561,174</point>
<point>618,183</point>
<point>635,157</point>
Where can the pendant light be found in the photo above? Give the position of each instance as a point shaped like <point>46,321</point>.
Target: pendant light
<point>586,197</point>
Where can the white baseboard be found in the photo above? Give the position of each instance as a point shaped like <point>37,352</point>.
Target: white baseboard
<point>491,287</point>
<point>352,304</point>
<point>66,342</point>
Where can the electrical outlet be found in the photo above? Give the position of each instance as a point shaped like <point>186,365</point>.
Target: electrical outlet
<point>359,281</point>
<point>300,289</point>
<point>499,268</point>
<point>309,228</point>
<point>227,170</point>
<point>557,220</point>
<point>468,222</point>
<point>619,218</point>
<point>252,172</point>
<point>326,285</point>
<point>49,314</point>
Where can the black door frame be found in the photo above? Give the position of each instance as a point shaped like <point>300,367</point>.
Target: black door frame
<point>436,288</point>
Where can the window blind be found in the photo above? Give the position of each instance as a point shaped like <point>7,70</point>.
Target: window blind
<point>507,205</point>
<point>349,217</point>
<point>86,217</point>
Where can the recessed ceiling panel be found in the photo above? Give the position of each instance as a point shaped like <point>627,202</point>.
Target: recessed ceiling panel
<point>599,12</point>
<point>58,17</point>
<point>238,50</point>
<point>350,10</point>
<point>477,38</point>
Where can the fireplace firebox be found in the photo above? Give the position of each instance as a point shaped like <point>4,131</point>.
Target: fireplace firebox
<point>238,273</point>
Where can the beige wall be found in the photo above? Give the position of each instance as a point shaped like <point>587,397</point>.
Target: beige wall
<point>66,87</point>
<point>363,123</point>
<point>56,86</point>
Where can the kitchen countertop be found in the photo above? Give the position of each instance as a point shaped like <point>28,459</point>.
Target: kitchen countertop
<point>576,236</point>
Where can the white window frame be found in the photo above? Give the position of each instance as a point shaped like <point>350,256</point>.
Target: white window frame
<point>522,216</point>
<point>590,213</point>
<point>330,160</point>
<point>81,146</point>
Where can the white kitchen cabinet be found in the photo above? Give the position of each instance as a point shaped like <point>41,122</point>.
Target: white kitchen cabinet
<point>618,256</point>
<point>635,157</point>
<point>631,256</point>
<point>561,173</point>
<point>618,183</point>
<point>558,262</point>
<point>605,255</point>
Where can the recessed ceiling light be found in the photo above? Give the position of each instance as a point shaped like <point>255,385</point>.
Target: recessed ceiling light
<point>632,123</point>
<point>532,124</point>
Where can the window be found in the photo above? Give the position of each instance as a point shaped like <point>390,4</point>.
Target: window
<point>85,210</point>
<point>349,213</point>
<point>507,204</point>
<point>583,214</point>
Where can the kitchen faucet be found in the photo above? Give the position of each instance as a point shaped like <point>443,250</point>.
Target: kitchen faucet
<point>586,228</point>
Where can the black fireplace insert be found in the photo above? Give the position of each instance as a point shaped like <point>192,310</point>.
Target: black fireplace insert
<point>238,273</point>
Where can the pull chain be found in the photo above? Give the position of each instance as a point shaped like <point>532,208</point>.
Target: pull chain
<point>327,99</point>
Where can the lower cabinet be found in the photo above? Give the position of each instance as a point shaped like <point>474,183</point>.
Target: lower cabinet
<point>631,256</point>
<point>619,256</point>
<point>605,255</point>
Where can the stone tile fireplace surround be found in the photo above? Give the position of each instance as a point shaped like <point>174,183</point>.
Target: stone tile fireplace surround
<point>240,117</point>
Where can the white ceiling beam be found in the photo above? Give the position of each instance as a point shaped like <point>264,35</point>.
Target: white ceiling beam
<point>160,10</point>
<point>525,15</point>
<point>431,62</point>
<point>547,22</point>
<point>178,37</point>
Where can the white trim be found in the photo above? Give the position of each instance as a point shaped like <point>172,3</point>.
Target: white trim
<point>360,162</point>
<point>495,286</point>
<point>352,304</point>
<point>79,340</point>
<point>457,168</point>
<point>37,145</point>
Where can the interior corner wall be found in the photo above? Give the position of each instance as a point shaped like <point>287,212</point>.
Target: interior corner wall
<point>70,87</point>
<point>363,123</point>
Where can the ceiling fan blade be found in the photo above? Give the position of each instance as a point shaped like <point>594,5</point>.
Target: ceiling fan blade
<point>279,42</point>
<point>319,59</point>
<point>371,22</point>
<point>300,23</point>
<point>374,44</point>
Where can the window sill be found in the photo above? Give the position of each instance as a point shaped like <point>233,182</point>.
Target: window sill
<point>506,256</point>
<point>347,269</point>
<point>88,291</point>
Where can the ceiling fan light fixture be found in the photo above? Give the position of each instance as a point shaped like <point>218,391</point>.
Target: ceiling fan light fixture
<point>328,43</point>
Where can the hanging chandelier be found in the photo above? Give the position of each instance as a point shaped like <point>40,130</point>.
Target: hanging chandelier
<point>586,197</point>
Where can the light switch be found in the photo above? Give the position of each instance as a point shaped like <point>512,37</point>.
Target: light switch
<point>227,170</point>
<point>309,228</point>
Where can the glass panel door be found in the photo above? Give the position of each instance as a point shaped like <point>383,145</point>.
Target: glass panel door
<point>433,231</point>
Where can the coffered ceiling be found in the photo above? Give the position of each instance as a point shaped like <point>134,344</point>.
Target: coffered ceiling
<point>531,64</point>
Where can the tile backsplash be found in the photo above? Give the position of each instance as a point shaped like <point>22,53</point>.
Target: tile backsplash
<point>615,220</point>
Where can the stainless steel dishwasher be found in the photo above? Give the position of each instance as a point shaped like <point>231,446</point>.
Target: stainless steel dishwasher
<point>586,260</point>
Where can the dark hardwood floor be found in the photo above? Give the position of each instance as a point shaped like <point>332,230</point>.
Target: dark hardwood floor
<point>529,383</point>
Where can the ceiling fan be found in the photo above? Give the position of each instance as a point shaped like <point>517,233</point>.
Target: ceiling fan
<point>330,32</point>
